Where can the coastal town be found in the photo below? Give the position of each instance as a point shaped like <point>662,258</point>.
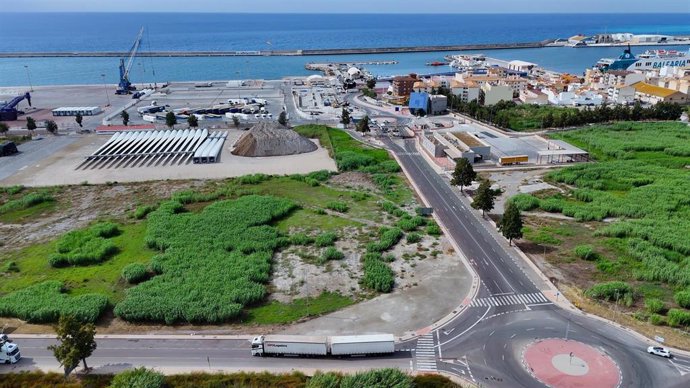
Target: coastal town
<point>472,221</point>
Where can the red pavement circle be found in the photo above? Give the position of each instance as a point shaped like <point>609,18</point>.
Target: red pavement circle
<point>570,364</point>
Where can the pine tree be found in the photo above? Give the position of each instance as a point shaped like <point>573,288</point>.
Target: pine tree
<point>511,223</point>
<point>170,119</point>
<point>345,117</point>
<point>484,199</point>
<point>30,123</point>
<point>192,121</point>
<point>464,174</point>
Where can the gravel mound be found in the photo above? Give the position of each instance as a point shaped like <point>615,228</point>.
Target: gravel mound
<point>272,139</point>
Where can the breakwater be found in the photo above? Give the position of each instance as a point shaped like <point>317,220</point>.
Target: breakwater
<point>351,51</point>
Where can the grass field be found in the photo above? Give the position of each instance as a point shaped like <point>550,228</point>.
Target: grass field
<point>281,313</point>
<point>640,186</point>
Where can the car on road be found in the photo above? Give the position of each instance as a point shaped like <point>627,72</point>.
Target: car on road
<point>659,351</point>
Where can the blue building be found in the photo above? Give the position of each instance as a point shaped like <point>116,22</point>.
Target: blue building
<point>421,103</point>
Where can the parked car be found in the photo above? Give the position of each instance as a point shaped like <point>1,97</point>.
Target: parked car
<point>659,351</point>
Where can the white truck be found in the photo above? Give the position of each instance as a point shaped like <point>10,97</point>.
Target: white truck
<point>300,345</point>
<point>9,352</point>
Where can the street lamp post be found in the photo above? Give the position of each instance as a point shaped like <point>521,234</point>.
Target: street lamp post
<point>105,88</point>
<point>28,75</point>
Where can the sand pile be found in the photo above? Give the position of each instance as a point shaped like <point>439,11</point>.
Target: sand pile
<point>272,139</point>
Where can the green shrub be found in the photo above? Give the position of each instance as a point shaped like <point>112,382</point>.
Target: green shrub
<point>387,239</point>
<point>325,239</point>
<point>656,320</point>
<point>300,239</point>
<point>340,207</point>
<point>324,380</point>
<point>25,202</point>
<point>85,246</point>
<point>585,252</point>
<point>331,253</point>
<point>433,230</point>
<point>320,176</point>
<point>612,291</point>
<point>10,266</point>
<point>212,263</point>
<point>410,223</point>
<point>142,211</point>
<point>378,276</point>
<point>350,160</point>
<point>525,202</point>
<point>253,179</point>
<point>134,273</point>
<point>654,306</point>
<point>45,302</point>
<point>191,196</point>
<point>138,378</point>
<point>360,196</point>
<point>678,318</point>
<point>12,190</point>
<point>682,298</point>
<point>378,378</point>
<point>414,238</point>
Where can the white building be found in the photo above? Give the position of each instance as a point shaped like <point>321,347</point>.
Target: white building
<point>587,98</point>
<point>621,94</point>
<point>495,93</point>
<point>466,91</point>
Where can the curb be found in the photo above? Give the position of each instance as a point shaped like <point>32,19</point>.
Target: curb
<point>145,336</point>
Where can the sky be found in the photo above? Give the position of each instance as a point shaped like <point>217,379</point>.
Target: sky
<point>352,6</point>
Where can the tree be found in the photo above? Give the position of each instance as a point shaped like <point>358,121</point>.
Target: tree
<point>125,117</point>
<point>236,121</point>
<point>371,83</point>
<point>484,199</point>
<point>51,127</point>
<point>30,123</point>
<point>511,223</point>
<point>75,343</point>
<point>547,120</point>
<point>192,121</point>
<point>282,118</point>
<point>464,174</point>
<point>363,125</point>
<point>4,128</point>
<point>79,118</point>
<point>170,119</point>
<point>345,117</point>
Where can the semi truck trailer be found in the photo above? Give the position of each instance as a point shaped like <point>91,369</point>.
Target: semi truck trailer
<point>298,345</point>
<point>9,352</point>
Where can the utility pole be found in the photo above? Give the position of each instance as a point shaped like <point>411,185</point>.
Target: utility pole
<point>105,88</point>
<point>28,75</point>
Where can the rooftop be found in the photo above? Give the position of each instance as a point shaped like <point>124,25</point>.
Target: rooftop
<point>643,87</point>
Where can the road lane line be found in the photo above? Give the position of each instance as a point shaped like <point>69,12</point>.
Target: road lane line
<point>466,330</point>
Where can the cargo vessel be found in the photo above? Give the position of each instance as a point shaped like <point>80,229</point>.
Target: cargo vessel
<point>649,60</point>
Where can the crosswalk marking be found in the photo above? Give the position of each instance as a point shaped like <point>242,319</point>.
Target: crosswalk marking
<point>510,300</point>
<point>425,353</point>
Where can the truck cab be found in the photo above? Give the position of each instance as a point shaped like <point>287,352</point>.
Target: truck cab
<point>9,352</point>
<point>258,346</point>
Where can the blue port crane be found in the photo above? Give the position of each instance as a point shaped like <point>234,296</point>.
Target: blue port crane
<point>8,110</point>
<point>125,86</point>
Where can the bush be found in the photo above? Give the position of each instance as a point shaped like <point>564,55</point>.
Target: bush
<point>410,223</point>
<point>325,239</point>
<point>253,179</point>
<point>135,273</point>
<point>340,207</point>
<point>433,230</point>
<point>683,299</point>
<point>654,306</point>
<point>85,246</point>
<point>414,238</point>
<point>387,239</point>
<point>138,378</point>
<point>300,239</point>
<point>324,380</point>
<point>331,253</point>
<point>585,252</point>
<point>142,211</point>
<point>25,202</point>
<point>377,378</point>
<point>377,275</point>
<point>612,291</point>
<point>678,318</point>
<point>656,320</point>
<point>45,302</point>
<point>10,266</point>
<point>525,202</point>
<point>350,160</point>
<point>212,263</point>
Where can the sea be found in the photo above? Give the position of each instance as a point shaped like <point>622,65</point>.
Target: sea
<point>70,32</point>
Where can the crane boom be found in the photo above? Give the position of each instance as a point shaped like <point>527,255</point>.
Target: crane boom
<point>125,85</point>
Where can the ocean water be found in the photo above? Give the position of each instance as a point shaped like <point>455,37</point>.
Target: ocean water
<point>199,32</point>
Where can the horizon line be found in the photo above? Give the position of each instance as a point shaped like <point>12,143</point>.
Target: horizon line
<point>361,13</point>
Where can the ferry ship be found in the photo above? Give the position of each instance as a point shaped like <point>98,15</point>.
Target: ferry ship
<point>649,60</point>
